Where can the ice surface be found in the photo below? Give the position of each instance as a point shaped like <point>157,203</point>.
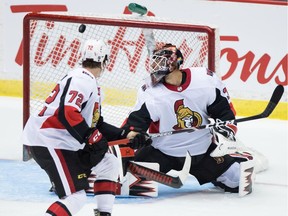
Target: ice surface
<point>24,186</point>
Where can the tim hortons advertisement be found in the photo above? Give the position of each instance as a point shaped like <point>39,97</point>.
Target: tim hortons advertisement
<point>252,56</point>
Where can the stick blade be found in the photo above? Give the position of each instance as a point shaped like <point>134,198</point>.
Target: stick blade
<point>277,94</point>
<point>275,98</point>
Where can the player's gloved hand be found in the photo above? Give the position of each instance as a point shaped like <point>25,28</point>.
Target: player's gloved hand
<point>138,138</point>
<point>97,144</point>
<point>228,129</point>
<point>224,137</point>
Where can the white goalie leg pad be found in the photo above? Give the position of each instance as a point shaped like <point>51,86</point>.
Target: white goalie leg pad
<point>260,160</point>
<point>247,177</point>
<point>136,185</point>
<point>116,151</point>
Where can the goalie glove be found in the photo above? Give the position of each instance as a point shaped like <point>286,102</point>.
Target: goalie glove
<point>138,138</point>
<point>224,137</point>
<point>228,129</point>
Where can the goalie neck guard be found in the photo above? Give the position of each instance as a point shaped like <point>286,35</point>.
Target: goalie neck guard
<point>165,59</point>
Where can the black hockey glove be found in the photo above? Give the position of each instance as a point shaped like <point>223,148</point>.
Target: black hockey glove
<point>140,140</point>
<point>98,145</point>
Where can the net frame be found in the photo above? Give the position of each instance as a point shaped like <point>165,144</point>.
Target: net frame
<point>129,21</point>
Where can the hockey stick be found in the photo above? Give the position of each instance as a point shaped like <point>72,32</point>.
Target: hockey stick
<point>275,98</point>
<point>147,33</point>
<point>163,178</point>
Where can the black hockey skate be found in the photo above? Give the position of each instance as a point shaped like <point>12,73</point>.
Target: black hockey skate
<point>98,213</point>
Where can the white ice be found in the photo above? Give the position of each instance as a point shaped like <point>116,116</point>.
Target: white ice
<point>24,186</point>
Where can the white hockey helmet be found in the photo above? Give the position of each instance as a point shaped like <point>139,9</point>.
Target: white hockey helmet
<point>95,50</point>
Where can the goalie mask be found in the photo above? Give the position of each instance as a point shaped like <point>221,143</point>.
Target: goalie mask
<point>95,51</point>
<point>165,60</point>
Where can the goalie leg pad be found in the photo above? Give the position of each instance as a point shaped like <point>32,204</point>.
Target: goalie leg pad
<point>247,177</point>
<point>261,161</point>
<point>240,175</point>
<point>138,185</point>
<point>247,172</point>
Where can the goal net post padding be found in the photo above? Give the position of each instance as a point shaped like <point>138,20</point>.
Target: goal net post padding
<point>52,45</point>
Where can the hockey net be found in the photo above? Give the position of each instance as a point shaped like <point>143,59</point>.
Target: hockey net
<point>52,44</point>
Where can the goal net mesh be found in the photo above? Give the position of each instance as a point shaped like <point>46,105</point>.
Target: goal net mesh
<point>52,45</point>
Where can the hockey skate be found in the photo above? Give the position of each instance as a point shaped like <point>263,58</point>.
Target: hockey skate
<point>98,213</point>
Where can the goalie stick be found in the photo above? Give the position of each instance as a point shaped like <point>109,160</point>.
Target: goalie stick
<point>275,98</point>
<point>148,34</point>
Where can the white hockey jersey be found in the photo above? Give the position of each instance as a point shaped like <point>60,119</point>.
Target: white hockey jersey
<point>165,107</point>
<point>76,99</point>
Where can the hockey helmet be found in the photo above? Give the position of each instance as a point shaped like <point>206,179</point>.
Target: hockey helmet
<point>165,59</point>
<point>95,50</point>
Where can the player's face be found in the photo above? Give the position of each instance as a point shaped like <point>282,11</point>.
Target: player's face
<point>188,121</point>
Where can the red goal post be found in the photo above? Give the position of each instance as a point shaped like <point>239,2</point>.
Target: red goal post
<point>52,44</point>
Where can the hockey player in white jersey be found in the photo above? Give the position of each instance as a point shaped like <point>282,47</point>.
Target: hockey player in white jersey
<point>178,99</point>
<point>68,138</point>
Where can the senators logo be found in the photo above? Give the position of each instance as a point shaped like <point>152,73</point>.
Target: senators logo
<point>186,118</point>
